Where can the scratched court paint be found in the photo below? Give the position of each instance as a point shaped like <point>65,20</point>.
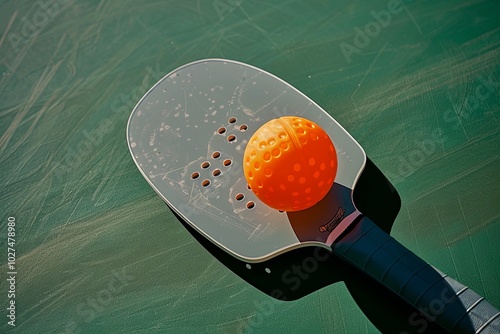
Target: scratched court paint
<point>97,251</point>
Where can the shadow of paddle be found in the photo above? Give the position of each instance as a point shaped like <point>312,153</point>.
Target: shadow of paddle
<point>302,271</point>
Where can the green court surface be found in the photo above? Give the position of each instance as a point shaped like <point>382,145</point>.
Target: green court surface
<point>97,251</point>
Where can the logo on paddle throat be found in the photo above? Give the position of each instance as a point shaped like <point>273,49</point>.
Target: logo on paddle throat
<point>333,222</point>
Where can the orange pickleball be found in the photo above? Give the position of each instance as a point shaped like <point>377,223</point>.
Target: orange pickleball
<point>290,163</point>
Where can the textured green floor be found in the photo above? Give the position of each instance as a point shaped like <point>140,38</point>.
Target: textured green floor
<point>85,215</point>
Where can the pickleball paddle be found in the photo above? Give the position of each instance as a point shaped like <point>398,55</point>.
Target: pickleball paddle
<point>188,137</point>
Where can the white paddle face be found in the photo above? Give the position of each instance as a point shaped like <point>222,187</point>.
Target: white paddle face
<point>188,134</point>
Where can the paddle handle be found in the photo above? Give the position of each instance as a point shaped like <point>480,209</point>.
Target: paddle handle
<point>437,296</point>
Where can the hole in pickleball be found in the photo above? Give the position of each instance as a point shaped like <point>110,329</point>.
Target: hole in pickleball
<point>276,152</point>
